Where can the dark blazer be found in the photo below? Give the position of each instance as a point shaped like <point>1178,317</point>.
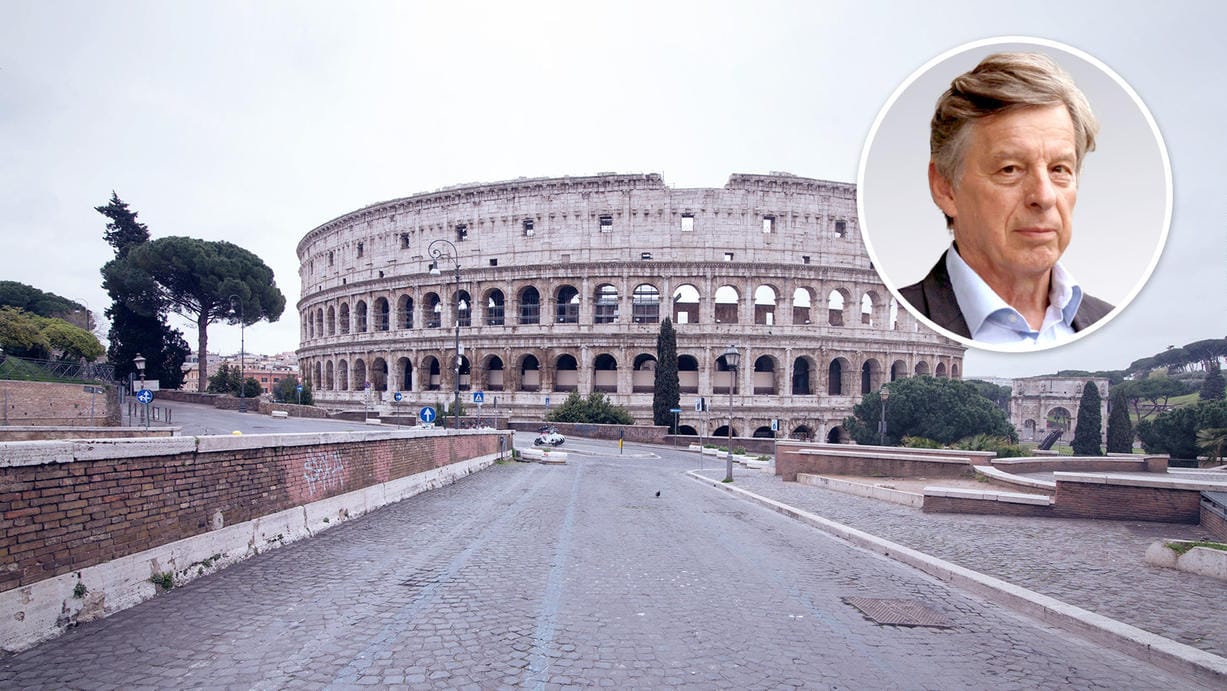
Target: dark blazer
<point>934,297</point>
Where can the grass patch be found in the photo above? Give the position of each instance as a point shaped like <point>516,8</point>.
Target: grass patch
<point>1181,547</point>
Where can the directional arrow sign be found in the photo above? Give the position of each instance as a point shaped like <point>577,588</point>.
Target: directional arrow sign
<point>427,414</point>
<point>144,396</point>
<point>397,396</point>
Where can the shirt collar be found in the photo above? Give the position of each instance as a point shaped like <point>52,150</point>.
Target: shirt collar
<point>978,302</point>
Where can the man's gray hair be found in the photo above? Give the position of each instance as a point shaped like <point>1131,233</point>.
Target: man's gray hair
<point>1000,83</point>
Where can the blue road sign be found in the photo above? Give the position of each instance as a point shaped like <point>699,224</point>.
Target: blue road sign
<point>299,387</point>
<point>144,396</point>
<point>675,410</point>
<point>427,414</point>
<point>479,397</point>
<point>397,396</point>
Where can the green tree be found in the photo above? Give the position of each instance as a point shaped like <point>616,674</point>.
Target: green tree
<point>943,410</point>
<point>1150,395</point>
<point>1213,441</point>
<point>667,388</point>
<point>1090,422</point>
<point>69,342</point>
<point>999,395</point>
<point>1175,432</point>
<point>286,391</point>
<point>1120,430</point>
<point>1213,387</point>
<point>20,335</point>
<point>197,278</point>
<point>35,301</point>
<point>225,380</point>
<point>596,409</point>
<point>138,320</point>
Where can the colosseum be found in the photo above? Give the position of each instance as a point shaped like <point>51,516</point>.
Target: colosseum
<point>563,283</point>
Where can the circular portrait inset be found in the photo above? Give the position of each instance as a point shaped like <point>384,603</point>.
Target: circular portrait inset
<point>1014,194</point>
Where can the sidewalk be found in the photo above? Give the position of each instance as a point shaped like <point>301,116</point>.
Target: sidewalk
<point>1095,565</point>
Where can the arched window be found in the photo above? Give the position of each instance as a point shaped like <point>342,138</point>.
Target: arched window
<point>643,376</point>
<point>567,308</point>
<point>464,314</point>
<point>343,317</point>
<point>379,374</point>
<point>434,310</point>
<point>530,306</point>
<point>566,373</point>
<point>688,374</point>
<point>802,377</point>
<point>494,373</point>
<point>836,302</point>
<point>329,380</point>
<point>802,299</point>
<point>645,304</point>
<point>359,380</point>
<point>404,310</point>
<point>728,301</point>
<point>764,305</point>
<point>494,308</point>
<point>605,373</point>
<point>686,305</point>
<point>764,376</point>
<point>405,370</point>
<point>530,374</point>
<point>606,305</point>
<point>332,321</point>
<point>342,375</point>
<point>360,316</point>
<point>382,316</point>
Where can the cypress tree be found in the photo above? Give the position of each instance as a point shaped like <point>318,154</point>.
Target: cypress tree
<point>1090,420</point>
<point>1120,430</point>
<point>667,387</point>
<point>1213,387</point>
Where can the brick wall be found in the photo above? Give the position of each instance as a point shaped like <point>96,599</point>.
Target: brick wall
<point>30,403</point>
<point>1125,502</point>
<point>1214,516</point>
<point>79,504</point>
<point>885,461</point>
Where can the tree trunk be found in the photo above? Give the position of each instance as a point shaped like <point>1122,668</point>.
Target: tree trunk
<point>202,351</point>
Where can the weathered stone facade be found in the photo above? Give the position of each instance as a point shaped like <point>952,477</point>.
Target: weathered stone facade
<point>563,283</point>
<point>1039,405</point>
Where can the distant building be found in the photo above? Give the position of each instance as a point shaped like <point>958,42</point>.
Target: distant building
<point>1039,405</point>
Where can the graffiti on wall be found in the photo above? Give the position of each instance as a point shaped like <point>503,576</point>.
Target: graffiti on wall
<point>323,472</point>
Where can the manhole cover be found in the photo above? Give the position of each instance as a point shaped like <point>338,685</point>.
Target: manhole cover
<point>898,612</point>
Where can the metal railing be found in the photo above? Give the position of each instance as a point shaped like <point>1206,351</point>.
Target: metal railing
<point>30,369</point>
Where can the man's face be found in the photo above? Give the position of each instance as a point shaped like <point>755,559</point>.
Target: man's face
<point>1013,199</point>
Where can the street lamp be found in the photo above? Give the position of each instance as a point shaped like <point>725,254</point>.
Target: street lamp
<point>731,359</point>
<point>438,252</point>
<point>883,393</point>
<point>139,361</point>
<point>234,299</point>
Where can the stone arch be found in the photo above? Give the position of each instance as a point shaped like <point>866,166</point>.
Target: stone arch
<point>728,304</point>
<point>530,373</point>
<point>332,321</point>
<point>404,312</point>
<point>801,433</point>
<point>687,374</point>
<point>838,435</point>
<point>605,373</point>
<point>343,318</point>
<point>1058,417</point>
<point>379,374</point>
<point>871,375</point>
<point>319,322</point>
<point>433,371</point>
<point>358,381</point>
<point>645,304</point>
<point>804,376</point>
<point>802,302</point>
<point>764,376</point>
<point>722,432</point>
<point>765,301</point>
<point>433,307</point>
<point>566,299</point>
<point>566,373</point>
<point>493,369</point>
<point>763,432</point>
<point>606,304</point>
<point>686,304</point>
<point>383,321</point>
<point>839,377</point>
<point>404,374</point>
<point>339,382</point>
<point>530,305</point>
<point>464,372</point>
<point>495,307</point>
<point>317,378</point>
<point>687,431</point>
<point>464,308</point>
<point>1029,429</point>
<point>898,370</point>
<point>921,369</point>
<point>360,317</point>
<point>940,370</point>
<point>643,374</point>
<point>837,307</point>
<point>954,370</point>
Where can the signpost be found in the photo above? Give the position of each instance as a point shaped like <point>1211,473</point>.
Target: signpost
<point>676,412</point>
<point>479,397</point>
<point>92,391</point>
<point>427,415</point>
<point>145,397</point>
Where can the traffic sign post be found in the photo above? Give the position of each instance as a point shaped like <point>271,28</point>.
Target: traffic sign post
<point>676,412</point>
<point>145,397</point>
<point>427,415</point>
<point>479,397</point>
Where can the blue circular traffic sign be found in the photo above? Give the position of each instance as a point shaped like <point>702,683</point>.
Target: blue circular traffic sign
<point>427,414</point>
<point>397,396</point>
<point>144,396</point>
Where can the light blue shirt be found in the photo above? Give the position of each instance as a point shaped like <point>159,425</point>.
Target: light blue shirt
<point>992,320</point>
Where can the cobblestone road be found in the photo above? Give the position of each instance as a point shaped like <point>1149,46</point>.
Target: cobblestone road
<point>567,576</point>
<point>1095,565</point>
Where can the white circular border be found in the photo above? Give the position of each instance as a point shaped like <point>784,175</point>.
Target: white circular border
<point>1047,43</point>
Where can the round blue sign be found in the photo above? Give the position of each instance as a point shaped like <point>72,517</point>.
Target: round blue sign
<point>144,396</point>
<point>397,396</point>
<point>427,414</point>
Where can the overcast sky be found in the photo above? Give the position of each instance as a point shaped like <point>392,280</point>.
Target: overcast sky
<point>255,122</point>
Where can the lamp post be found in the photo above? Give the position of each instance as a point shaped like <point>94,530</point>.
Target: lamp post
<point>731,359</point>
<point>883,393</point>
<point>139,361</point>
<point>438,252</point>
<point>234,299</point>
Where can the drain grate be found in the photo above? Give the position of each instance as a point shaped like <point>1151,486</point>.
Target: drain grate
<point>899,612</point>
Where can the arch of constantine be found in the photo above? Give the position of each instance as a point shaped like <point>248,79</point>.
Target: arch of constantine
<point>564,282</point>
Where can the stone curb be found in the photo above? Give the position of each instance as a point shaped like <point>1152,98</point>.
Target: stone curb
<point>1206,668</point>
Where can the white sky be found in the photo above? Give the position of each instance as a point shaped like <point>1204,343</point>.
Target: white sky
<point>254,122</point>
